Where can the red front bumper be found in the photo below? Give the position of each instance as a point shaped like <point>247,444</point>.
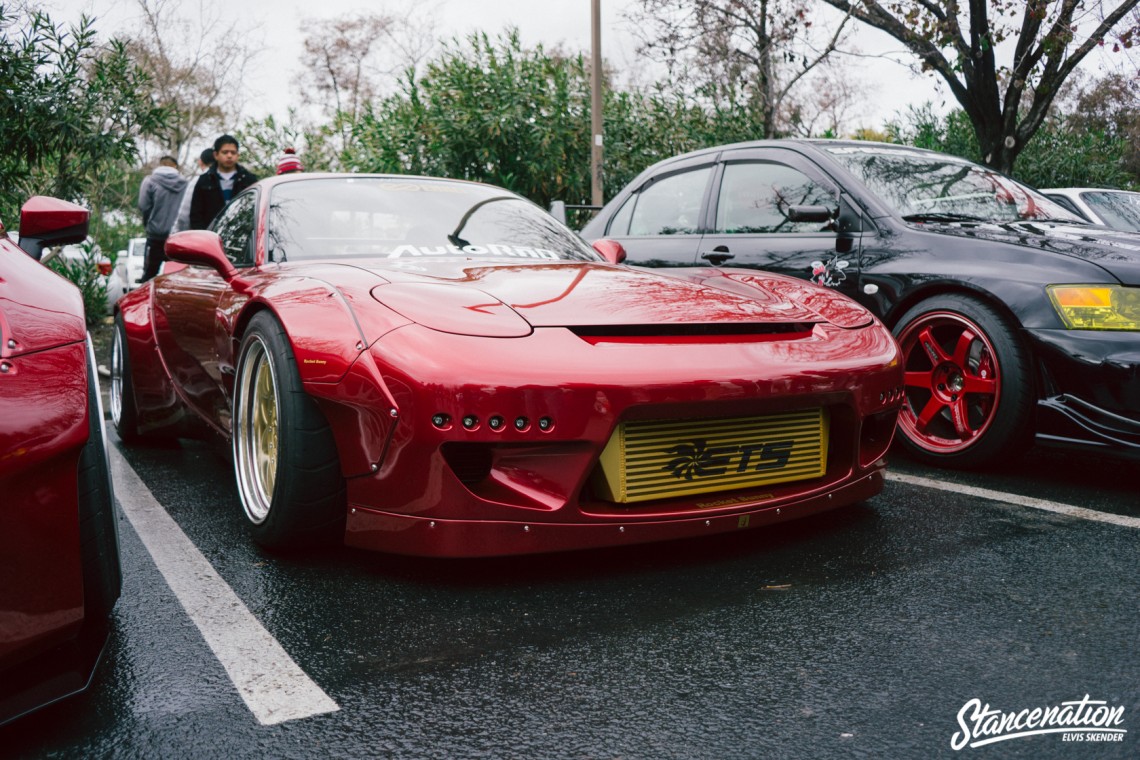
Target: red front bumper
<point>420,536</point>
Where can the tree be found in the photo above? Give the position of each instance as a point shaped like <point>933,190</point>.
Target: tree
<point>196,66</point>
<point>960,42</point>
<point>1111,105</point>
<point>263,142</point>
<point>495,112</point>
<point>1065,152</point>
<point>486,111</point>
<point>349,61</point>
<point>71,107</point>
<point>756,54</point>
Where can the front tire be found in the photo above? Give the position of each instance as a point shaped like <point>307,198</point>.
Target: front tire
<point>285,459</point>
<point>124,411</point>
<point>968,386</point>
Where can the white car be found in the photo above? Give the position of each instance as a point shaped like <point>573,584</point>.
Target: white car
<point>1119,209</point>
<point>132,263</point>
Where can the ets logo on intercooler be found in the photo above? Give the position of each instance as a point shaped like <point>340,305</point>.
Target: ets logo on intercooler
<point>696,459</point>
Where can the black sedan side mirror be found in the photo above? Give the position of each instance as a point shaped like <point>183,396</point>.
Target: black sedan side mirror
<point>811,214</point>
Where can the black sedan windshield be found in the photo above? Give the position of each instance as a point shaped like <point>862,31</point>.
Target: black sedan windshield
<point>410,218</point>
<point>925,187</point>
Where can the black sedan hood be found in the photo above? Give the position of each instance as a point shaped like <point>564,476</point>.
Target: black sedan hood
<point>1116,252</point>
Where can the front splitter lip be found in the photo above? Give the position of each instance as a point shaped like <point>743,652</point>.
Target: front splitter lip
<point>426,537</point>
<point>1069,422</point>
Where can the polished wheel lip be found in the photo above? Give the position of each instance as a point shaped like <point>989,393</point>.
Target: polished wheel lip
<point>256,431</point>
<point>951,377</point>
<point>116,389</point>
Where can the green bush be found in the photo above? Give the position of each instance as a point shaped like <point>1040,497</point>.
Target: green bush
<point>492,111</point>
<point>83,271</point>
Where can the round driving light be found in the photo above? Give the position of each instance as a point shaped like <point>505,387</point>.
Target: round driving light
<point>522,423</point>
<point>440,420</point>
<point>470,421</point>
<point>496,422</point>
<point>545,423</point>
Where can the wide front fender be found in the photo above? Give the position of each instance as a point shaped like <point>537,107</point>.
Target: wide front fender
<point>330,330</point>
<point>328,327</point>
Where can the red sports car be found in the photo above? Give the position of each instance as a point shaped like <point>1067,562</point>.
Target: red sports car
<point>59,552</point>
<point>435,367</point>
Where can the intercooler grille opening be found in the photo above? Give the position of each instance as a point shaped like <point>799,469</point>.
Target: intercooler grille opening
<point>646,461</point>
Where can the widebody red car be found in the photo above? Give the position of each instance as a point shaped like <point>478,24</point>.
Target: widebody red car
<point>59,556</point>
<point>435,367</point>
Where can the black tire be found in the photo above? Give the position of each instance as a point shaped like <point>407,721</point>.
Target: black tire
<point>969,393</point>
<point>285,458</point>
<point>98,530</point>
<point>124,410</point>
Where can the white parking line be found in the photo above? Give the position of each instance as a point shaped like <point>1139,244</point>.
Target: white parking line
<point>274,688</point>
<point>1022,501</point>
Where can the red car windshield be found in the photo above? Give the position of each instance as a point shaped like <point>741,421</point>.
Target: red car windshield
<point>412,218</point>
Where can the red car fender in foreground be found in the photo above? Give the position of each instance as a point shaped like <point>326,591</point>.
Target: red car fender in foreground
<point>59,577</point>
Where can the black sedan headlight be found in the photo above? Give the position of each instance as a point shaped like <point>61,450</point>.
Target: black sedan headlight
<point>1097,307</point>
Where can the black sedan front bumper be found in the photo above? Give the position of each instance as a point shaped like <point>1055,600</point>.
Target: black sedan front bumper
<point>1089,389</point>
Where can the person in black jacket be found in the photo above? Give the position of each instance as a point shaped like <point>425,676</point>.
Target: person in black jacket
<point>225,179</point>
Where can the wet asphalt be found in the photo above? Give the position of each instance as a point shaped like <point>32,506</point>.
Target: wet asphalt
<point>858,633</point>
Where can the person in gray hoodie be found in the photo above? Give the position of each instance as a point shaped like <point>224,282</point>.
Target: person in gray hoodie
<point>159,197</point>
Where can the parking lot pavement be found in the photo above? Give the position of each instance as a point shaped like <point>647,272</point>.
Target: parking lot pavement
<point>863,632</point>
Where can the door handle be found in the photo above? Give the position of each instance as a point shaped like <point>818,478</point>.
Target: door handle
<point>717,256</point>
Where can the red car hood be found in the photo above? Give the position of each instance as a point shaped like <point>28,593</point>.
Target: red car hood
<point>589,294</point>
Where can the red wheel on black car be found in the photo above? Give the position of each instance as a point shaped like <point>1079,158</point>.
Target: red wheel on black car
<point>968,397</point>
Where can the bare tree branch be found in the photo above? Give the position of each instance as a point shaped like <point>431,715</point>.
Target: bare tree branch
<point>1005,103</point>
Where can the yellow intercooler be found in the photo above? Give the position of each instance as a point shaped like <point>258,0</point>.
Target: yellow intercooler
<point>662,459</point>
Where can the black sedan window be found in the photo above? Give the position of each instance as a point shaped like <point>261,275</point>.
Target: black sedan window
<point>934,187</point>
<point>408,218</point>
<point>671,205</point>
<point>755,198</point>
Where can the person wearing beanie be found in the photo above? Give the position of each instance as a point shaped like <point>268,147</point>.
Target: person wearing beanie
<point>182,222</point>
<point>289,163</point>
<point>159,195</point>
<point>214,189</point>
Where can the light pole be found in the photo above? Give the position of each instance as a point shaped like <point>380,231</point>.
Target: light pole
<point>596,103</point>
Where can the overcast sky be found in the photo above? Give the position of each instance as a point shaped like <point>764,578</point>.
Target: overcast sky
<point>278,25</point>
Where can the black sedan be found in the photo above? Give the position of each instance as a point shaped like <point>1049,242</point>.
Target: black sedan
<point>1017,319</point>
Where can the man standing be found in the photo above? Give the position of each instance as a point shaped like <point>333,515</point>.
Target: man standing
<point>225,179</point>
<point>159,196</point>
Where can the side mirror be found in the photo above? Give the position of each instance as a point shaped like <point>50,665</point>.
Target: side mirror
<point>200,248</point>
<point>811,214</point>
<point>48,221</point>
<point>611,250</point>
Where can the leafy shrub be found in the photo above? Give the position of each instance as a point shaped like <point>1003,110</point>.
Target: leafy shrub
<point>83,271</point>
